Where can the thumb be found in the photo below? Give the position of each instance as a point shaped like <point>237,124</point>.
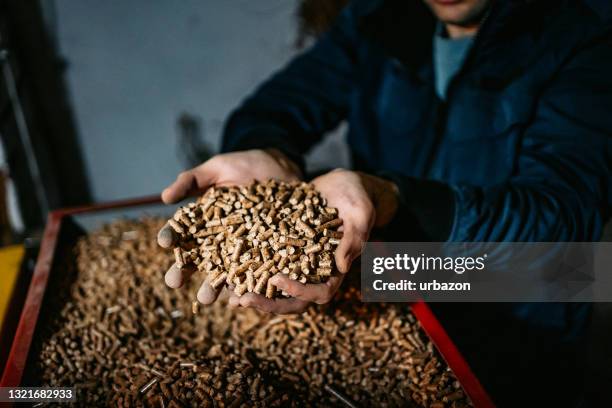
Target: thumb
<point>187,182</point>
<point>344,251</point>
<point>350,247</point>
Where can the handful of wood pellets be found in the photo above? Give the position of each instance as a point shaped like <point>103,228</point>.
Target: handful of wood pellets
<point>241,236</point>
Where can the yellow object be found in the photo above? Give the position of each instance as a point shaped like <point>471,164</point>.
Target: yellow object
<point>10,263</point>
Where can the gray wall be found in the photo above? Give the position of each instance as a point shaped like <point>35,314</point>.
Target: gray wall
<point>134,66</point>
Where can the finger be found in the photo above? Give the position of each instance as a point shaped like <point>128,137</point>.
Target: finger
<point>207,294</point>
<point>349,248</point>
<point>186,182</point>
<point>356,233</point>
<point>176,276</point>
<point>179,188</point>
<point>342,253</point>
<point>278,306</point>
<point>255,301</point>
<point>233,301</point>
<point>319,293</point>
<point>166,237</point>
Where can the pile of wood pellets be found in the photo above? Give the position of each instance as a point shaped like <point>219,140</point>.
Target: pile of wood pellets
<point>241,236</point>
<point>124,339</point>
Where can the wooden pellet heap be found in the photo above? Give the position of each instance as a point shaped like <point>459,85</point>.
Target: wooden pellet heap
<point>124,339</point>
<point>241,236</point>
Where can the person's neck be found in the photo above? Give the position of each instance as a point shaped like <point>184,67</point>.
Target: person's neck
<point>456,31</point>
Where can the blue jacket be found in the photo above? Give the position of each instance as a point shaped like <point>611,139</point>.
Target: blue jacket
<point>519,151</point>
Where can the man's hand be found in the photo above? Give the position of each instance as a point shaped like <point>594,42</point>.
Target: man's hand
<point>232,169</point>
<point>363,201</point>
<point>225,169</point>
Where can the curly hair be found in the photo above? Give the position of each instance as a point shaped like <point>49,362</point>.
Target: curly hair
<point>315,17</point>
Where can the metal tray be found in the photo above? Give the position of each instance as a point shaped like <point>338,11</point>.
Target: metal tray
<point>65,226</point>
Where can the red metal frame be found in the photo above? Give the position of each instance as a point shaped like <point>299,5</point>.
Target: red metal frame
<point>431,325</point>
<point>16,361</point>
<point>17,358</point>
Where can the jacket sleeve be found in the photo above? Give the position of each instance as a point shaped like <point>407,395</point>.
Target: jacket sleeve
<point>560,190</point>
<point>294,108</point>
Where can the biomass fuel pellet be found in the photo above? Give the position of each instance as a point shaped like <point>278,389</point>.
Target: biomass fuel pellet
<point>124,339</point>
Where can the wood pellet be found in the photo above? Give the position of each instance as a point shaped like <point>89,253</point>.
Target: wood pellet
<point>241,236</point>
<point>124,339</point>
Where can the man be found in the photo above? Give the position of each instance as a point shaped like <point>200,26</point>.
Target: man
<point>469,120</point>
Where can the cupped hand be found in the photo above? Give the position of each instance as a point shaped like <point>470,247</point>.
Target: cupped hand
<point>225,169</point>
<point>363,201</point>
<point>232,169</point>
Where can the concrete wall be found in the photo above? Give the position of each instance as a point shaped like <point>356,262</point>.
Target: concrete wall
<point>135,65</point>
